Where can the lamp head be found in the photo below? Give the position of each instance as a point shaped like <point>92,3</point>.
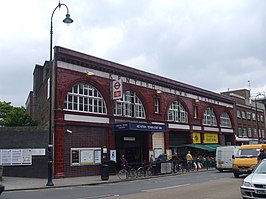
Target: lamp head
<point>68,20</point>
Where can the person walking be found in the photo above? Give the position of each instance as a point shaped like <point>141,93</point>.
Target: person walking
<point>152,159</point>
<point>262,155</point>
<point>175,163</point>
<point>189,159</point>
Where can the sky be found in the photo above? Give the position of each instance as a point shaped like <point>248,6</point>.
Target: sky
<point>217,45</point>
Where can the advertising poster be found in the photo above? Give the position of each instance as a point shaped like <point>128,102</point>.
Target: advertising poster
<point>86,157</point>
<point>113,155</point>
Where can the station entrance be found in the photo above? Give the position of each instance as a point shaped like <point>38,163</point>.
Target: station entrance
<point>133,145</point>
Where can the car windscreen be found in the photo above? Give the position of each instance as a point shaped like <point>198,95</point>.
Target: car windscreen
<point>247,153</point>
<point>261,168</point>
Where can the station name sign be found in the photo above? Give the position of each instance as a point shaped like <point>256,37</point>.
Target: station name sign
<point>132,126</point>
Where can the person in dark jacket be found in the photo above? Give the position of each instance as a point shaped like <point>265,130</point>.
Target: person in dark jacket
<point>262,155</point>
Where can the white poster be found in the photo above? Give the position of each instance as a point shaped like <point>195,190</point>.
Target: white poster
<point>157,152</point>
<point>26,157</point>
<point>113,155</point>
<point>6,156</point>
<point>86,157</point>
<point>16,155</point>
<point>97,157</point>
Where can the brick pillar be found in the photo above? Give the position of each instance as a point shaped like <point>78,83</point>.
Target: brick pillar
<point>59,151</point>
<point>149,141</point>
<point>111,138</point>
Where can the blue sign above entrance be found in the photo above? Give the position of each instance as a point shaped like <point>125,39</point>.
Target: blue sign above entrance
<point>133,126</point>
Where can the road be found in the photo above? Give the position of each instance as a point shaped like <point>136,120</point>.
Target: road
<point>205,185</point>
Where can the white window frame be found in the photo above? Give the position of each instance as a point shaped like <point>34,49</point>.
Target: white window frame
<point>129,106</point>
<point>209,117</point>
<point>177,113</point>
<point>85,98</point>
<point>225,120</point>
<point>156,105</point>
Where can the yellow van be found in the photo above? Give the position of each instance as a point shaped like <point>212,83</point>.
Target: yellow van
<point>245,159</point>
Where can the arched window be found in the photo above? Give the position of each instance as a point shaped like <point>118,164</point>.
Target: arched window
<point>85,98</point>
<point>209,117</point>
<point>177,113</point>
<point>225,120</point>
<point>129,106</point>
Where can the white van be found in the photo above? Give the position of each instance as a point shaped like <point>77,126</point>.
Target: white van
<point>224,159</point>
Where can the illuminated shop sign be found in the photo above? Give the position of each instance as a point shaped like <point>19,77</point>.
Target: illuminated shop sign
<point>131,126</point>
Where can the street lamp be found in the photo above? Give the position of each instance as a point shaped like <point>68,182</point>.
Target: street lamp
<point>67,20</point>
<point>257,120</point>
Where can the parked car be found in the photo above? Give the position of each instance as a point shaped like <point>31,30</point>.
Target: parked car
<point>254,185</point>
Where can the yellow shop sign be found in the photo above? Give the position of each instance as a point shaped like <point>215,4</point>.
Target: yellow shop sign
<point>196,138</point>
<point>210,138</point>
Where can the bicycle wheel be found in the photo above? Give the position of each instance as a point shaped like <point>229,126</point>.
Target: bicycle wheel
<point>122,174</point>
<point>140,172</point>
<point>149,171</point>
<point>132,173</point>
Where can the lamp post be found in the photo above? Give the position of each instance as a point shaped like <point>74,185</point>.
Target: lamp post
<point>67,20</point>
<point>257,120</point>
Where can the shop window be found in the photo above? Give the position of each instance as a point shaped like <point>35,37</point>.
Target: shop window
<point>209,117</point>
<point>177,113</point>
<point>85,98</point>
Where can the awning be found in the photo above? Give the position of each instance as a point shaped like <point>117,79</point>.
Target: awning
<point>206,147</point>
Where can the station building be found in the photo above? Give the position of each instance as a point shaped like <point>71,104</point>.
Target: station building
<point>102,109</point>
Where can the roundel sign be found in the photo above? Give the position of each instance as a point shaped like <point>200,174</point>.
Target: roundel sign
<point>117,89</point>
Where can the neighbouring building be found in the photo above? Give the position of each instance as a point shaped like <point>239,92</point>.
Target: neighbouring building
<point>103,109</point>
<point>250,117</point>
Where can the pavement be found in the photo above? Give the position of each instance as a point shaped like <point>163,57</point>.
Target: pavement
<point>21,183</point>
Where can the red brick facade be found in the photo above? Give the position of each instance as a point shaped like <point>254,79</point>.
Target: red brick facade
<point>70,69</point>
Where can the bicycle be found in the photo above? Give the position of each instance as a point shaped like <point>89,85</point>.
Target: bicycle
<point>145,170</point>
<point>127,172</point>
<point>179,168</point>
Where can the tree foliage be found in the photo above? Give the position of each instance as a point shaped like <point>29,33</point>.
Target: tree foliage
<point>14,116</point>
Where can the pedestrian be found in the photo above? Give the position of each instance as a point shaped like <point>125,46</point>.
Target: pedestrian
<point>175,162</point>
<point>262,155</point>
<point>152,159</point>
<point>189,159</point>
<point>123,162</point>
